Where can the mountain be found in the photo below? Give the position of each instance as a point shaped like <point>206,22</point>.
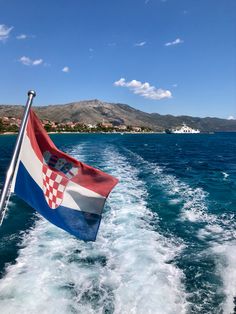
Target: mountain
<point>95,111</point>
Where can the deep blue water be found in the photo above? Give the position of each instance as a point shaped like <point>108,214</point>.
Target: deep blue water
<point>167,241</point>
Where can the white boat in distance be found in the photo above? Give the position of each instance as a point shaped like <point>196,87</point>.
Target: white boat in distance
<point>185,130</point>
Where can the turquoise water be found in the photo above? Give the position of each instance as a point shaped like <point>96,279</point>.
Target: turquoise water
<point>167,241</point>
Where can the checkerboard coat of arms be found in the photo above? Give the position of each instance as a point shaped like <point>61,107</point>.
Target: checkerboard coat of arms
<point>56,172</point>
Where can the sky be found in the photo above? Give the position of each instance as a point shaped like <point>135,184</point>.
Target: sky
<point>166,56</point>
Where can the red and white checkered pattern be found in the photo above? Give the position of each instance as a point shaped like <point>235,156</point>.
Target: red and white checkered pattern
<point>54,186</point>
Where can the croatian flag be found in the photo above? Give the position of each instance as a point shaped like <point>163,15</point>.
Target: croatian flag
<point>67,192</point>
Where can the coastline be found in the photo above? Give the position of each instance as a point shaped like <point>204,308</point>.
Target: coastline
<point>121,133</point>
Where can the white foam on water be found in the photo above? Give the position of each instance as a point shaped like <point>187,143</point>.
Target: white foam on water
<point>210,231</point>
<point>127,270</point>
<point>153,283</point>
<point>194,206</point>
<point>226,261</point>
<point>219,231</point>
<point>225,175</point>
<point>222,238</point>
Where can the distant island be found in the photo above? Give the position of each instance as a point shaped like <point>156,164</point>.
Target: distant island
<point>99,116</point>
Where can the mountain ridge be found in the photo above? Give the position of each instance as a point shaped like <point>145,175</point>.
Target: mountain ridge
<point>96,111</point>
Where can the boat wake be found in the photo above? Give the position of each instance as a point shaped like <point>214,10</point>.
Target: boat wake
<point>217,240</point>
<point>129,269</point>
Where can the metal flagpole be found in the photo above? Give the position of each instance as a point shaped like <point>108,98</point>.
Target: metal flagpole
<point>11,169</point>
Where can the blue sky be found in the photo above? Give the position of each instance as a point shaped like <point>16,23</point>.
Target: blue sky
<point>166,56</point>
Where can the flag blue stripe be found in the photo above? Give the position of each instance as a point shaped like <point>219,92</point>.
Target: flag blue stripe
<point>80,224</point>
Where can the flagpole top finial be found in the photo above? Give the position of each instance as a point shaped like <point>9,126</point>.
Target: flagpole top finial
<point>31,92</point>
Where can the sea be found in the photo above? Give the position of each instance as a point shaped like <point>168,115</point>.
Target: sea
<point>166,243</point>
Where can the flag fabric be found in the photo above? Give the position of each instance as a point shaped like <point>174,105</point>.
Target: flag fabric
<point>67,192</point>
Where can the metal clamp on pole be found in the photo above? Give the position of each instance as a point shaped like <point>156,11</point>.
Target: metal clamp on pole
<point>11,169</point>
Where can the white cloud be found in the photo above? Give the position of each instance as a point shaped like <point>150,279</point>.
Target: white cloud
<point>231,118</point>
<point>177,41</point>
<point>21,36</point>
<point>66,69</point>
<point>37,62</point>
<point>24,36</point>
<point>4,32</point>
<point>144,89</point>
<point>141,44</point>
<point>27,61</point>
